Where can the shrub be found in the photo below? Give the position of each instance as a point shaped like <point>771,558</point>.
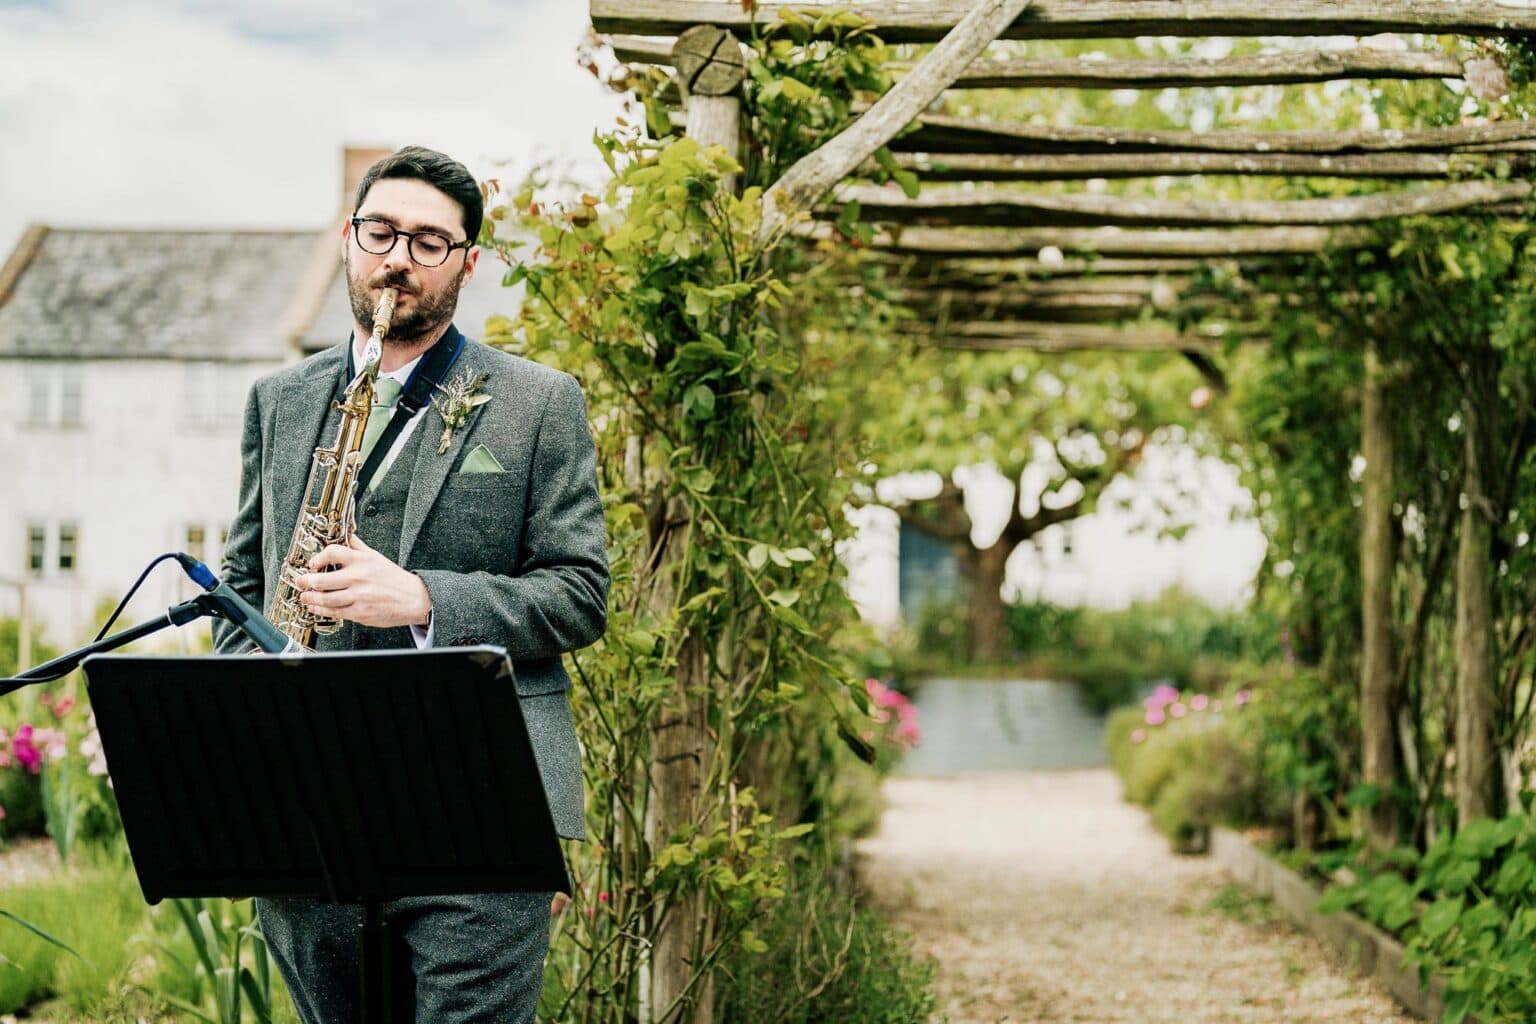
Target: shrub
<point>827,961</point>
<point>1466,910</point>
<point>1194,761</point>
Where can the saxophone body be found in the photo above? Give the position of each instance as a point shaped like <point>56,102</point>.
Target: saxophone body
<point>327,514</point>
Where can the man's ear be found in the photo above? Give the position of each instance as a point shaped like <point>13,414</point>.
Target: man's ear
<point>471,257</point>
<point>346,236</point>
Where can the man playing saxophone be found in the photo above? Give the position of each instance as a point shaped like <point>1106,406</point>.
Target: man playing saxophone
<point>477,521</point>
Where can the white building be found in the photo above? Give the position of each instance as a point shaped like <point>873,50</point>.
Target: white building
<point>126,356</point>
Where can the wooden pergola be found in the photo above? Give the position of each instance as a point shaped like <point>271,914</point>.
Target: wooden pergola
<point>1014,267</point>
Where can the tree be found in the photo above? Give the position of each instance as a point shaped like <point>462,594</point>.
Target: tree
<point>1059,429</point>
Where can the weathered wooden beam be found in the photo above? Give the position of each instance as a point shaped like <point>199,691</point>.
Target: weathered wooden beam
<point>1005,305</point>
<point>967,271</point>
<point>1005,208</point>
<point>1084,166</point>
<point>919,21</point>
<point>813,175</point>
<point>1086,73</point>
<point>1142,286</point>
<point>938,133</point>
<point>1267,69</point>
<point>1049,337</point>
<point>966,244</point>
<point>642,49</point>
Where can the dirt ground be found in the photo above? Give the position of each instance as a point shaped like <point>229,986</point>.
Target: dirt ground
<point>1044,898</point>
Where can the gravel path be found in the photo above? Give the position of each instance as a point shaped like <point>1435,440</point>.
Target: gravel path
<point>1044,898</point>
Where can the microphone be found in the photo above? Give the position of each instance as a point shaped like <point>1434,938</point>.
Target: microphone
<point>237,609</point>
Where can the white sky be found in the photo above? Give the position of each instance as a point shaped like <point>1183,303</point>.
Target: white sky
<point>234,113</point>
<point>135,113</point>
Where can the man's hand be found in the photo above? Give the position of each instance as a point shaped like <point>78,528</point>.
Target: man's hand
<point>365,587</point>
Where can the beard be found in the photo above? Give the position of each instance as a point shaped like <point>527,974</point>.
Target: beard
<point>431,313</point>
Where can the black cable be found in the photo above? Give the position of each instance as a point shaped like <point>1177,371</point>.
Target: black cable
<point>131,591</point>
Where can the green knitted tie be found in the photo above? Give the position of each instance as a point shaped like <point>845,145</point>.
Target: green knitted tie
<point>385,391</point>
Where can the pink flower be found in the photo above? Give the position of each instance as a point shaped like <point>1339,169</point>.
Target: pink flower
<point>1199,701</point>
<point>1242,697</point>
<point>1155,717</point>
<point>25,751</point>
<point>1177,709</point>
<point>45,699</point>
<point>63,707</point>
<point>602,897</point>
<point>1139,736</point>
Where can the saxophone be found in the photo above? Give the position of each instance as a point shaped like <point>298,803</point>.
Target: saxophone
<point>327,515</point>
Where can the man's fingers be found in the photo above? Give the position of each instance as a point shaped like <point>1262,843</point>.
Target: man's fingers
<point>336,579</point>
<point>334,554</point>
<point>329,601</point>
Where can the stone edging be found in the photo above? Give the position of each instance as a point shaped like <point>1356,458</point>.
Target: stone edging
<point>1363,945</point>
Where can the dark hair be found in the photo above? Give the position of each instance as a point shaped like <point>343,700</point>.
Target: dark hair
<point>443,173</point>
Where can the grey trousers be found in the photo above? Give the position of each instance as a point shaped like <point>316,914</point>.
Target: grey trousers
<point>477,959</point>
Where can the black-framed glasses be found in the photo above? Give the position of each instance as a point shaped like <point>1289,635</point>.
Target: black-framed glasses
<point>427,248</point>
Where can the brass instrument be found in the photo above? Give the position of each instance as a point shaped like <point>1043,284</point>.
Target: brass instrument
<point>327,515</point>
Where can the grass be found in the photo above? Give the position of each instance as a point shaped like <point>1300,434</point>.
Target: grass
<point>96,910</point>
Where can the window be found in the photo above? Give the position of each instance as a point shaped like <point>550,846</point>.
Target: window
<point>71,391</point>
<point>39,384</point>
<point>37,542</point>
<point>54,394</point>
<point>195,542</point>
<point>68,539</point>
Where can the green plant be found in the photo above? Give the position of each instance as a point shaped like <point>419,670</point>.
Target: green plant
<point>826,961</point>
<point>229,973</point>
<point>73,939</point>
<point>1466,909</point>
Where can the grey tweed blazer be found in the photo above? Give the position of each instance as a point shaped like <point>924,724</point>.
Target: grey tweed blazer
<point>515,558</point>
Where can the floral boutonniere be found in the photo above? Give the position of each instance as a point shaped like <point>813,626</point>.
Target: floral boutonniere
<point>460,395</point>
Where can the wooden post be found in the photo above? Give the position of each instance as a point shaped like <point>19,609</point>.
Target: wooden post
<point>711,68</point>
<point>1477,762</point>
<point>1378,663</point>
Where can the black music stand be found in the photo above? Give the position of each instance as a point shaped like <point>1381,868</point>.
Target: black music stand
<point>347,777</point>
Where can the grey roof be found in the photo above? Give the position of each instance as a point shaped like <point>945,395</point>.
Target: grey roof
<point>482,297</point>
<point>215,295</point>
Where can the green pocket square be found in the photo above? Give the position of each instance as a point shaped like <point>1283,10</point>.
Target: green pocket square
<point>480,461</point>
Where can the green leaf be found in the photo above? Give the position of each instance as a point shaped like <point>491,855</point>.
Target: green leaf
<point>1478,839</point>
<point>699,401</point>
<point>799,555</point>
<point>1515,877</point>
<point>1441,917</point>
<point>757,556</point>
<point>35,930</point>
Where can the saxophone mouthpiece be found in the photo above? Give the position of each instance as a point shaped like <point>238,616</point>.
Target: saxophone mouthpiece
<point>385,312</point>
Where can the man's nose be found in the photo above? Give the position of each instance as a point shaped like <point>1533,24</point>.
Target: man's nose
<point>399,255</point>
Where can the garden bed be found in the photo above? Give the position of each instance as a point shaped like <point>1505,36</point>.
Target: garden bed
<point>1365,946</point>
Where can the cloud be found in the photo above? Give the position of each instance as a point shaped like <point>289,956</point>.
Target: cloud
<point>234,114</point>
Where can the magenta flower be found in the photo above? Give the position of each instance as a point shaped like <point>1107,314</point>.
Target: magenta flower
<point>1155,717</point>
<point>1242,697</point>
<point>25,751</point>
